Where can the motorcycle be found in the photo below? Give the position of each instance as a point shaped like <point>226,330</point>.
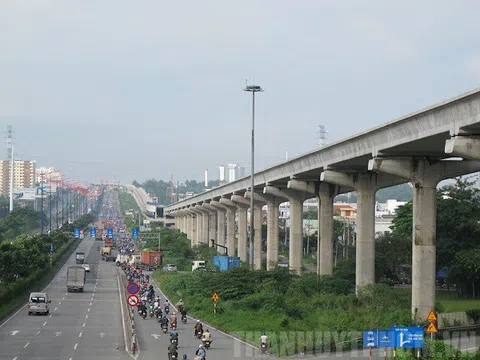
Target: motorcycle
<point>174,340</point>
<point>198,334</point>
<point>173,356</point>
<point>143,314</point>
<point>164,328</point>
<point>206,343</point>
<point>167,309</point>
<point>263,347</point>
<point>173,325</point>
<point>184,319</point>
<point>151,313</point>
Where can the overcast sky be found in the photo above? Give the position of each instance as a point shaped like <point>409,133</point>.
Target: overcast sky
<point>145,89</point>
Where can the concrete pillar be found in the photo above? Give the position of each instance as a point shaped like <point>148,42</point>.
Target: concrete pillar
<point>212,227</point>
<point>326,195</point>
<point>296,235</point>
<point>272,234</point>
<point>221,230</point>
<point>231,231</point>
<point>257,238</point>
<point>242,233</point>
<point>425,176</point>
<point>230,208</point>
<point>365,243</point>
<point>205,238</point>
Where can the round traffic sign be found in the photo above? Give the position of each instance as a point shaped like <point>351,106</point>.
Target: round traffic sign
<point>133,288</point>
<point>133,300</point>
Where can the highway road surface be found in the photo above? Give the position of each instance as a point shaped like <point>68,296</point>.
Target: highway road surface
<point>80,325</point>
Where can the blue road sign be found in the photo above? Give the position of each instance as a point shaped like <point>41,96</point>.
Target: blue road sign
<point>110,233</point>
<point>386,339</point>
<point>370,338</point>
<point>93,233</point>
<point>133,288</point>
<point>408,337</point>
<point>76,233</point>
<point>135,233</point>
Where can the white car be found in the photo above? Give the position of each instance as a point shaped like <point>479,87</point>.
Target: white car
<point>170,267</point>
<point>86,267</point>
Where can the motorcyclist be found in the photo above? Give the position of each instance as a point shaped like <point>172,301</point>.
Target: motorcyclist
<point>198,327</point>
<point>173,319</point>
<point>173,334</point>
<point>166,306</point>
<point>263,340</point>
<point>206,336</point>
<point>180,305</point>
<point>184,314</point>
<point>164,322</point>
<point>172,349</point>
<point>201,351</point>
<point>156,304</point>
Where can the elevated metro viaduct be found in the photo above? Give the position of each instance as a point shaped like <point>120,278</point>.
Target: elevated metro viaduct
<point>423,148</point>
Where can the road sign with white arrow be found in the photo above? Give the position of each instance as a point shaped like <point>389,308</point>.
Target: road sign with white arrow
<point>408,337</point>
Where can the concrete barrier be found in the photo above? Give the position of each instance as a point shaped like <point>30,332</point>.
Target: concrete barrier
<point>129,316</point>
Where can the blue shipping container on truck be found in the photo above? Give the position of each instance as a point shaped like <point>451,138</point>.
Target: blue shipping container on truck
<point>224,263</point>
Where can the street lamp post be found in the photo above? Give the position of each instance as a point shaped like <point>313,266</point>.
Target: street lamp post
<point>253,89</point>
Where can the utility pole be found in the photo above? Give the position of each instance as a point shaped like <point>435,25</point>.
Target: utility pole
<point>253,89</point>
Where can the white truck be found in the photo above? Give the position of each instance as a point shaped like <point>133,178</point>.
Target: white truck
<point>121,258</point>
<point>75,278</point>
<point>199,265</point>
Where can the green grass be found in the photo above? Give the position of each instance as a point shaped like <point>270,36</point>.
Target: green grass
<point>127,202</point>
<point>452,303</point>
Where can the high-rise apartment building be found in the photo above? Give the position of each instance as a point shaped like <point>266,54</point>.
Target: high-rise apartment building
<point>23,175</point>
<point>230,172</point>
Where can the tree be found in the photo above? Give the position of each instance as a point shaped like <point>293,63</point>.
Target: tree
<point>458,211</point>
<point>310,215</point>
<point>465,273</point>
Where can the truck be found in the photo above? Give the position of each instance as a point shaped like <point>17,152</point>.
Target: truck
<point>224,263</point>
<point>149,260</point>
<point>199,265</point>
<point>108,242</point>
<point>80,257</point>
<point>121,259</point>
<point>75,278</point>
<point>99,234</point>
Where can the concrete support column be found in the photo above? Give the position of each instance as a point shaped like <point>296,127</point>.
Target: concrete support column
<point>221,230</point>
<point>242,233</point>
<point>204,237</point>
<point>212,227</point>
<point>365,246</point>
<point>425,176</point>
<point>296,235</point>
<point>231,231</point>
<point>272,234</point>
<point>257,238</point>
<point>326,194</point>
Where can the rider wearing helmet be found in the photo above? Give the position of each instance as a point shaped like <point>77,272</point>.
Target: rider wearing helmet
<point>200,351</point>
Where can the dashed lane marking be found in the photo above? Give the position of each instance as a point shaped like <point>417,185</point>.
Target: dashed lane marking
<point>75,347</point>
<point>26,344</point>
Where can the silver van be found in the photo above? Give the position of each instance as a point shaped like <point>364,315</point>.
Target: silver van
<point>39,302</point>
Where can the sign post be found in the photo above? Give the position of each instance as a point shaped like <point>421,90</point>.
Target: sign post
<point>432,328</point>
<point>215,298</point>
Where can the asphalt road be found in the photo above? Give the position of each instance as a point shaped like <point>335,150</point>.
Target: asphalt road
<point>80,325</point>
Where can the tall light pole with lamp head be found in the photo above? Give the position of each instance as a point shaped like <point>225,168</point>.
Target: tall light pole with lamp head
<point>253,89</point>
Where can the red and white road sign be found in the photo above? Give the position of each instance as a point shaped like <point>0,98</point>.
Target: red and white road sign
<point>133,300</point>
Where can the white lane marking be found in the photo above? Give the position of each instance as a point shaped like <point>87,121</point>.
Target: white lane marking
<point>14,332</point>
<point>86,316</point>
<point>64,266</point>
<point>80,335</point>
<point>50,315</point>
<point>60,303</point>
<point>90,304</point>
<point>45,323</point>
<point>66,294</point>
<point>88,309</point>
<point>84,324</point>
<point>15,358</point>
<point>55,309</point>
<point>63,298</point>
<point>38,332</point>
<point>75,347</point>
<point>26,344</point>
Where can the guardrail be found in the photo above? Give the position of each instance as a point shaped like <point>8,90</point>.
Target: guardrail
<point>129,319</point>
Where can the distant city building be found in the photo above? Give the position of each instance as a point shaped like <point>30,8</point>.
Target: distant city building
<point>44,175</point>
<point>23,175</point>
<point>230,172</point>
